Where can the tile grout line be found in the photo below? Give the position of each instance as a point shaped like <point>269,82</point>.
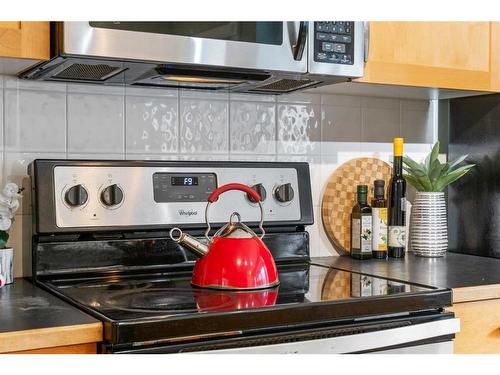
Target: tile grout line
<point>66,116</point>
<point>229,151</point>
<point>400,119</point>
<point>3,131</point>
<point>124,123</point>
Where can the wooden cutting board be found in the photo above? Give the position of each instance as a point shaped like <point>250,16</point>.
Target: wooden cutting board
<point>340,196</point>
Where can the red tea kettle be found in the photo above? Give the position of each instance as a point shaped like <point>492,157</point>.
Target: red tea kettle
<point>235,258</point>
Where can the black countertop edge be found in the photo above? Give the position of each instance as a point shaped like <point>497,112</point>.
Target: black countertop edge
<point>24,306</point>
<point>451,271</point>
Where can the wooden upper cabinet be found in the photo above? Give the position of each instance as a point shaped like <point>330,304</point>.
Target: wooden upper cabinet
<point>495,56</point>
<point>455,55</point>
<point>25,40</point>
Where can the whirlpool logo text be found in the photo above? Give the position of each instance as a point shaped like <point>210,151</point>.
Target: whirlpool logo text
<point>188,213</point>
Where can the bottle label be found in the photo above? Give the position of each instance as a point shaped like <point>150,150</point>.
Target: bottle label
<point>397,236</point>
<point>403,204</point>
<point>366,234</point>
<point>379,236</point>
<point>356,229</point>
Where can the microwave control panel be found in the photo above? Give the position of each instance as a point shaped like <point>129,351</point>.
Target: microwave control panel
<point>334,42</point>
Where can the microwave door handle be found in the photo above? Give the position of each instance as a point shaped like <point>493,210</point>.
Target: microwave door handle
<point>298,47</point>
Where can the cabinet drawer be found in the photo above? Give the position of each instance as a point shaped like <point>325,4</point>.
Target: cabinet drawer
<point>479,327</point>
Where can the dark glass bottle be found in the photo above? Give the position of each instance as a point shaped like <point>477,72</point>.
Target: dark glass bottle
<point>361,226</point>
<point>397,204</point>
<point>379,220</point>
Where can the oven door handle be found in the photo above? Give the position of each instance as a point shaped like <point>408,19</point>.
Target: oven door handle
<point>300,43</point>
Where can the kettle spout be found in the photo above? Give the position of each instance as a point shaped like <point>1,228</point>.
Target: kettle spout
<point>197,247</point>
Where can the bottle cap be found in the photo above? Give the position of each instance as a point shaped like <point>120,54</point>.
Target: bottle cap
<point>379,188</point>
<point>362,189</point>
<point>398,146</point>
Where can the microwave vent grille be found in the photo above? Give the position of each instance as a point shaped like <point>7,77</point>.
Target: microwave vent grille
<point>88,72</point>
<point>285,85</point>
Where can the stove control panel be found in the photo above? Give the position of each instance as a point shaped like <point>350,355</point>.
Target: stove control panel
<point>120,196</point>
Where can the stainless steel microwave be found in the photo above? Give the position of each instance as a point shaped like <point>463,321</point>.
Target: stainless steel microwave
<point>259,57</point>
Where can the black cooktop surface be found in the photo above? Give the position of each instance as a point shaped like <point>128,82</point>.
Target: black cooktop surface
<point>129,297</point>
<point>163,307</point>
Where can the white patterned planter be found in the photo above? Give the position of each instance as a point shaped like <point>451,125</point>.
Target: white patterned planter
<point>6,266</point>
<point>428,227</point>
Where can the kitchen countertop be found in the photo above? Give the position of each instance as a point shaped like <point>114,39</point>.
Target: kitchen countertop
<point>31,318</point>
<point>471,277</point>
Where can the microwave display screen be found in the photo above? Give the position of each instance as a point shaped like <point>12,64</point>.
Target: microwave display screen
<point>252,32</point>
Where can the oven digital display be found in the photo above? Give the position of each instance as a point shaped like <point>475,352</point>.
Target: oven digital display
<point>184,181</point>
<point>183,186</point>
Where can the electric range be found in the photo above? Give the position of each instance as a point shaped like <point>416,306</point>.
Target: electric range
<point>100,242</point>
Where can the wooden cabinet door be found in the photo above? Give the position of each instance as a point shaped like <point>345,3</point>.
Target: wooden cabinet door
<point>452,55</point>
<point>26,40</point>
<point>479,327</point>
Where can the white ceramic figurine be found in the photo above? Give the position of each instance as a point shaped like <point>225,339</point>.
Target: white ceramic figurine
<point>9,203</point>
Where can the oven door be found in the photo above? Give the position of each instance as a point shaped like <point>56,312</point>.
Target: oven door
<point>424,334</point>
<point>274,46</point>
<point>425,338</point>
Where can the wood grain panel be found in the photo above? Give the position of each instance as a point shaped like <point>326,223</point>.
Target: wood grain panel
<point>476,293</point>
<point>495,56</point>
<point>479,327</point>
<point>453,55</point>
<point>27,40</point>
<point>50,337</point>
<point>16,25</point>
<point>90,348</point>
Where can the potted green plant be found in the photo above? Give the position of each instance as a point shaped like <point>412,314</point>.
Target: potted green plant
<point>429,224</point>
<point>9,203</point>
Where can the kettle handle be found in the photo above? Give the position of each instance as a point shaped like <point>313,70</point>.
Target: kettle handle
<point>214,196</point>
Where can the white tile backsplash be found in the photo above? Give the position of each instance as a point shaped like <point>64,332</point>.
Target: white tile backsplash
<point>11,82</point>
<point>35,120</point>
<point>58,120</point>
<point>95,156</point>
<point>204,125</point>
<point>253,127</point>
<point>152,124</point>
<point>95,119</point>
<point>299,129</point>
<point>1,113</point>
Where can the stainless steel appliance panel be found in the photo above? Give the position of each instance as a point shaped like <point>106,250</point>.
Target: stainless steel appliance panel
<point>80,38</point>
<point>372,341</point>
<point>138,206</point>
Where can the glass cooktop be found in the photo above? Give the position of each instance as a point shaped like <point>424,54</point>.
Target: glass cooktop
<point>128,297</point>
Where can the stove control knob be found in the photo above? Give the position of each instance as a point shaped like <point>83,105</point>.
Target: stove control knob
<point>284,193</point>
<point>76,196</point>
<point>259,188</point>
<point>112,195</point>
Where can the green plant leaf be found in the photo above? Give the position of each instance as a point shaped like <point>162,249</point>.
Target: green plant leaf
<point>413,172</point>
<point>436,171</point>
<point>433,175</point>
<point>452,177</point>
<point>432,157</point>
<point>4,237</point>
<point>457,161</point>
<point>415,167</point>
<point>415,182</point>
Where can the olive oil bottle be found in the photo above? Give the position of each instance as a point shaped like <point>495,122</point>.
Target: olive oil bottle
<point>379,220</point>
<point>361,226</point>
<point>397,204</point>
